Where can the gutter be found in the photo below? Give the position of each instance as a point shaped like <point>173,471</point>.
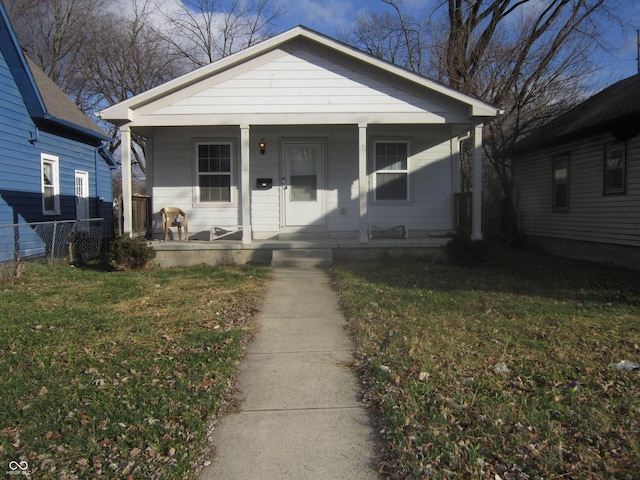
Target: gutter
<point>85,131</point>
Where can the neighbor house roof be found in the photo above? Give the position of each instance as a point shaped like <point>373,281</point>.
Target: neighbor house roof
<point>123,111</point>
<point>60,109</point>
<point>615,109</point>
<point>44,100</point>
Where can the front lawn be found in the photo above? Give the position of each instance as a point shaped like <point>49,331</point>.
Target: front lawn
<point>501,372</point>
<point>118,374</point>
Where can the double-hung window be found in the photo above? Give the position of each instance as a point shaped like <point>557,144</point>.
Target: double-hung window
<point>50,184</point>
<point>391,171</point>
<point>615,163</point>
<point>561,183</point>
<point>214,162</point>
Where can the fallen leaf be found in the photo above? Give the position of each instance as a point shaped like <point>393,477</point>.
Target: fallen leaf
<point>135,452</point>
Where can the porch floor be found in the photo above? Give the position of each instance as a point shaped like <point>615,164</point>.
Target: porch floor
<point>195,252</point>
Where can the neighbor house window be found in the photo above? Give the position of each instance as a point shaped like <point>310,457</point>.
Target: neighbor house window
<point>615,164</point>
<point>391,176</point>
<point>50,185</point>
<point>561,183</point>
<point>214,172</point>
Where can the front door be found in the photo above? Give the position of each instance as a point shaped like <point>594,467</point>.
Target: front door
<point>303,183</point>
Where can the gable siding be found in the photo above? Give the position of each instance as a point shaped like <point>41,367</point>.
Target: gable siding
<point>592,216</point>
<point>298,83</point>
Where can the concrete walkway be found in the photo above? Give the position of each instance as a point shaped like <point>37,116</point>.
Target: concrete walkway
<point>302,415</point>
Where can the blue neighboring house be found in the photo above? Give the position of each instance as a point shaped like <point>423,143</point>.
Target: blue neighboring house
<point>54,164</point>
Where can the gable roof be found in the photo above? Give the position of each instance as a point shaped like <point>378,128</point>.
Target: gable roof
<point>45,101</point>
<point>615,109</point>
<point>122,112</point>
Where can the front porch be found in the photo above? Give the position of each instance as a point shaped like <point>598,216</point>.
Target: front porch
<point>231,252</point>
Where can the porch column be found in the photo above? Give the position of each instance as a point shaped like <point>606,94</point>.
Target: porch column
<point>125,166</point>
<point>476,222</point>
<point>245,183</point>
<point>362,182</point>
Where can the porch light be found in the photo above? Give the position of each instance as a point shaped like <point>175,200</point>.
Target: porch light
<point>262,146</point>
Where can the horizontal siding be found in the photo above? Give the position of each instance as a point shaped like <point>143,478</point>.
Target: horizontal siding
<point>431,208</point>
<point>298,82</point>
<point>20,182</point>
<point>592,216</point>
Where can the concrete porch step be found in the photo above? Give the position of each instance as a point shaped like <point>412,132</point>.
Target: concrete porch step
<point>302,257</point>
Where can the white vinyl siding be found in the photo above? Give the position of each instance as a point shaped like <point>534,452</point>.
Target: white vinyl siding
<point>50,184</point>
<point>299,87</point>
<point>429,211</point>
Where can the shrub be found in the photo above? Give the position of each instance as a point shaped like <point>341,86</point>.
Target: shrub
<point>127,253</point>
<point>465,252</point>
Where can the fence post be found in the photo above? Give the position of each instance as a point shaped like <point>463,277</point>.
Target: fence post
<point>53,242</point>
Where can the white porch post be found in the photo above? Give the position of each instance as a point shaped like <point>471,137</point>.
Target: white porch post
<point>125,166</point>
<point>362,182</point>
<point>245,183</point>
<point>476,222</point>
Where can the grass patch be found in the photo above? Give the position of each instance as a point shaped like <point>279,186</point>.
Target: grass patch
<point>499,372</point>
<point>117,374</point>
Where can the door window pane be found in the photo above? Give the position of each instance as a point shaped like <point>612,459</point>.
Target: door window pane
<point>304,188</point>
<point>303,175</point>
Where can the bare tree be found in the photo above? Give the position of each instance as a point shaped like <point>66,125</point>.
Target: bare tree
<point>55,34</point>
<point>203,31</point>
<point>528,57</point>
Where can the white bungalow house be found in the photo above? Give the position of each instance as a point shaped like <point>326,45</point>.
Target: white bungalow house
<point>303,134</point>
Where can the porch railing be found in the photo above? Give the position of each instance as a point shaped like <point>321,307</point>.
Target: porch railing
<point>142,217</point>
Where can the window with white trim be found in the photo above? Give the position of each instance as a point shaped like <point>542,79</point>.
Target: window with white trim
<point>214,163</point>
<point>50,184</point>
<point>391,171</point>
<point>615,163</point>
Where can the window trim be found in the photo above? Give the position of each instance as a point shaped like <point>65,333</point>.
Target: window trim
<point>625,153</point>
<point>566,158</point>
<point>55,187</point>
<point>232,172</point>
<point>375,172</point>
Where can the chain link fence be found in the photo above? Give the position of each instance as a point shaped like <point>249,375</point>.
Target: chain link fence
<point>68,241</point>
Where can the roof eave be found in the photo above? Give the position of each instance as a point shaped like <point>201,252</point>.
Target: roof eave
<point>77,128</point>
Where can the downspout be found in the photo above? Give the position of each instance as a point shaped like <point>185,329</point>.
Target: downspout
<point>476,208</point>
<point>456,167</point>
<point>456,180</point>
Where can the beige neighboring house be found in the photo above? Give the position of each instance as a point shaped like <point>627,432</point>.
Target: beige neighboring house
<point>577,179</point>
<point>303,134</point>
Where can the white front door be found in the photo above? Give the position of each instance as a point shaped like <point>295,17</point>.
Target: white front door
<point>82,195</point>
<point>303,183</point>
